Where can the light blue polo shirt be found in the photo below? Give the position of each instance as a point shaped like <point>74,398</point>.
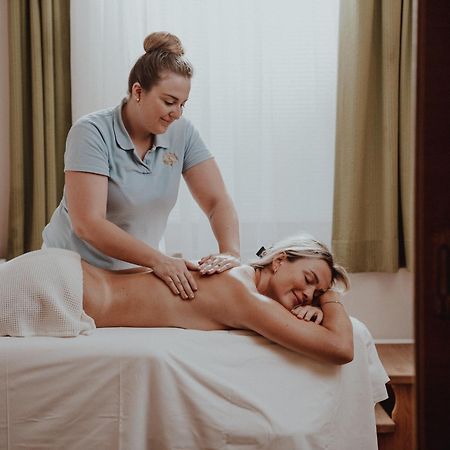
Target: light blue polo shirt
<point>141,193</point>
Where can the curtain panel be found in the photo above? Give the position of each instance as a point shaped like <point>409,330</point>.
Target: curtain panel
<point>374,164</point>
<point>40,115</point>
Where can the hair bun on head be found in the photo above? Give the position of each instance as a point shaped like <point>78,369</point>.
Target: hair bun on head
<point>163,41</point>
<point>163,53</point>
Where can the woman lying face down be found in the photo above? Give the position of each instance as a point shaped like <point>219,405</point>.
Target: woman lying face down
<point>269,296</point>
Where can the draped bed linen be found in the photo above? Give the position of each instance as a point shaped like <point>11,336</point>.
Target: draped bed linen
<point>164,388</point>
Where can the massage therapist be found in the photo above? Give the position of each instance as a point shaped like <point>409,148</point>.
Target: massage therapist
<point>122,172</point>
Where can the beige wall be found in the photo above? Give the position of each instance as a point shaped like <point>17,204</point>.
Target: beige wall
<point>4,127</point>
<point>384,302</point>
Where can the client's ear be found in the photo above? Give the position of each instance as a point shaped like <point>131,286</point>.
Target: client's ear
<point>277,261</point>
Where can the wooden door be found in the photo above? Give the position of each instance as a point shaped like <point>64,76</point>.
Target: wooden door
<point>432,273</point>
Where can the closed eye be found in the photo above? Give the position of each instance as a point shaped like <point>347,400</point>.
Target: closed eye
<point>318,293</point>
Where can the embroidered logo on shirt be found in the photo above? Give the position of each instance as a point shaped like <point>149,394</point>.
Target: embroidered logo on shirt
<point>170,159</point>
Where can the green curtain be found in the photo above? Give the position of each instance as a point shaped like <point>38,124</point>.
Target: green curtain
<point>374,166</point>
<point>40,115</point>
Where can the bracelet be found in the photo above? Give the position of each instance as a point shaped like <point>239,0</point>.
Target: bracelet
<point>331,301</point>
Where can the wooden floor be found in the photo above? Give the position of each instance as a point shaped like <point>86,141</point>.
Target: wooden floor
<point>395,426</point>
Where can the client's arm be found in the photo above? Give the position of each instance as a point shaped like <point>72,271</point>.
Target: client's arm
<point>332,341</point>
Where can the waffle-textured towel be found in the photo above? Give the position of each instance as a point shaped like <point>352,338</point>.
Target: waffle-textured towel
<point>41,294</point>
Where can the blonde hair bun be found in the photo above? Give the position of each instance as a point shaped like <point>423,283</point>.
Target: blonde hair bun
<point>164,42</point>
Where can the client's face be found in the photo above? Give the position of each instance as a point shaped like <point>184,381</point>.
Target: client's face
<point>298,282</point>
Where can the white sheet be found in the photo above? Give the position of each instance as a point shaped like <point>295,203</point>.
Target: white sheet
<point>134,388</point>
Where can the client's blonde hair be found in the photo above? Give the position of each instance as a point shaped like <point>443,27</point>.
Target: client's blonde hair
<point>304,246</point>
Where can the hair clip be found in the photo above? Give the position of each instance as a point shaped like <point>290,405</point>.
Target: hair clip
<point>261,252</point>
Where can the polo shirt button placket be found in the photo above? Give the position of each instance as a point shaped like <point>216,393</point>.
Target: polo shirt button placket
<point>148,165</point>
<point>148,159</point>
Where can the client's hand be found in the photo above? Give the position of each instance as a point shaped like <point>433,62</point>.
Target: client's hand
<point>217,263</point>
<point>308,313</point>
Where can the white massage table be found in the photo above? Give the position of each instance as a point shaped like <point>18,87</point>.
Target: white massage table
<point>161,388</point>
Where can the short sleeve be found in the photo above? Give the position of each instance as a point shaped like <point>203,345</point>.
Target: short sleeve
<point>86,150</point>
<point>196,150</point>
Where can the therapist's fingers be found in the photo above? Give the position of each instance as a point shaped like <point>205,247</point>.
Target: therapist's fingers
<point>171,284</point>
<point>192,284</point>
<point>206,262</point>
<point>182,286</point>
<point>188,285</point>
<point>218,263</point>
<point>204,259</point>
<point>212,265</point>
<point>174,272</point>
<point>224,266</point>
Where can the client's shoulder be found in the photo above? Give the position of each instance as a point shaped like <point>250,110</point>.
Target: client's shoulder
<point>234,291</point>
<point>235,281</point>
<point>242,274</point>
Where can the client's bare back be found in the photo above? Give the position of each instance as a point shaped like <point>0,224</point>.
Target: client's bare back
<point>141,299</point>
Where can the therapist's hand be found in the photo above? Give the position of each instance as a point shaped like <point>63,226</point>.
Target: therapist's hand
<point>217,263</point>
<point>175,273</point>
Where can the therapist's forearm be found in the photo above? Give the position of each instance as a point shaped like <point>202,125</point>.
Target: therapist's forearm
<point>117,243</point>
<point>225,226</point>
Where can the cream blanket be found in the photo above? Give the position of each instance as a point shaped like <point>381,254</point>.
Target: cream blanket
<point>41,294</point>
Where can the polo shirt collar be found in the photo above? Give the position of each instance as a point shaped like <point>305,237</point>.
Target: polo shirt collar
<point>123,138</point>
<point>162,141</point>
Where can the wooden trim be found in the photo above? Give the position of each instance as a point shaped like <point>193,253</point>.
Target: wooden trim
<point>398,360</point>
<point>385,424</point>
